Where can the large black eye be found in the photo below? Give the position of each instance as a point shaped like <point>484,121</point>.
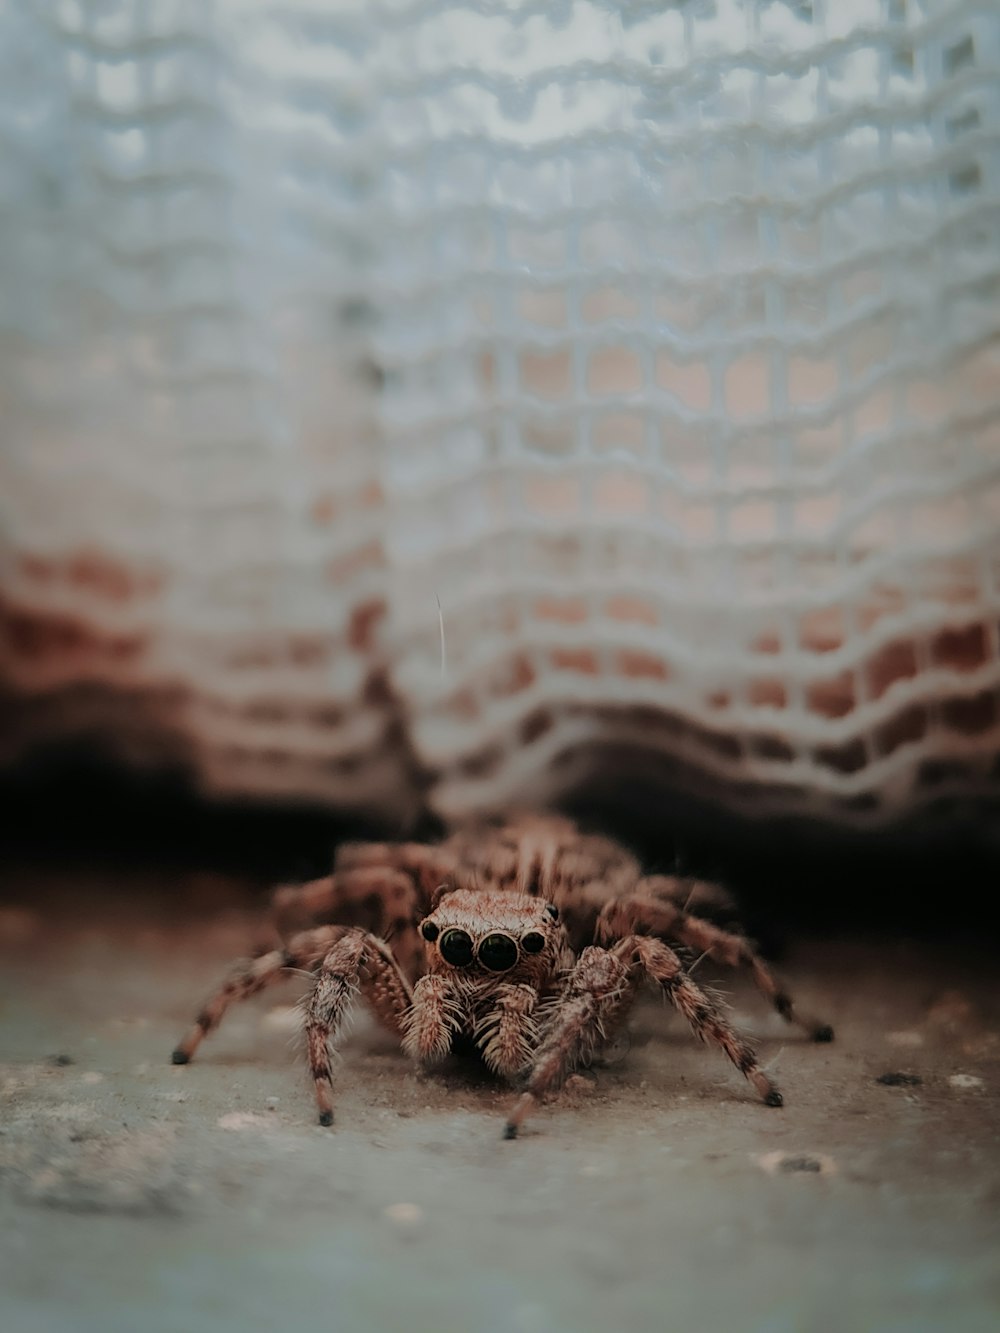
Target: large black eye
<point>456,948</point>
<point>429,931</point>
<point>532,942</point>
<point>498,953</point>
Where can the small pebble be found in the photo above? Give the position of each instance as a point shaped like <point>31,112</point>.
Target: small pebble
<point>801,1164</point>
<point>896,1080</point>
<point>61,1060</point>
<point>241,1120</point>
<point>795,1163</point>
<point>590,1169</point>
<point>404,1214</point>
<point>965,1081</point>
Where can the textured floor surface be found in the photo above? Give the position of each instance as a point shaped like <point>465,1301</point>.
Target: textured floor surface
<point>658,1194</point>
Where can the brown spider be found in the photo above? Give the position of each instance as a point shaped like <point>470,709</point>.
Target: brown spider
<point>527,939</point>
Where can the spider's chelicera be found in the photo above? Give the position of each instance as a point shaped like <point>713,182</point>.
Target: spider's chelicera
<point>528,939</point>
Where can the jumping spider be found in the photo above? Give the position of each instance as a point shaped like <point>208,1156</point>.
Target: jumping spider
<point>528,940</point>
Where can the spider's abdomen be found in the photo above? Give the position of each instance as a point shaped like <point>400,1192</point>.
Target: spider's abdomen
<point>543,856</point>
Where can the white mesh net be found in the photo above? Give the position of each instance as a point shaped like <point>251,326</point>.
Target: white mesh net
<point>657,343</point>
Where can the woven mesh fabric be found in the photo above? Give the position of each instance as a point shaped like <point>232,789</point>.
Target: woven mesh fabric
<point>657,344</point>
<point>192,505</point>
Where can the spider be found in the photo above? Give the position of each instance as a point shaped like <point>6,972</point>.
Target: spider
<point>526,940</point>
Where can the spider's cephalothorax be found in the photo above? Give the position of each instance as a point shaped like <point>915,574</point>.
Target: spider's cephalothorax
<point>491,957</point>
<point>527,940</point>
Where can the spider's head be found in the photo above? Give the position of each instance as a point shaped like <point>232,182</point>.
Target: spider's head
<point>484,936</point>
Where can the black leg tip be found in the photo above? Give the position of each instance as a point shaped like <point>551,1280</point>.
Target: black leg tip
<point>774,1098</point>
<point>326,1118</point>
<point>179,1058</point>
<point>824,1033</point>
<point>510,1131</point>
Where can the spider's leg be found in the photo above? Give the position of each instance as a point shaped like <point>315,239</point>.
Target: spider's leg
<point>427,865</point>
<point>658,916</point>
<point>688,894</point>
<point>383,888</point>
<point>710,1023</point>
<point>247,978</point>
<point>598,993</point>
<point>365,896</point>
<point>357,961</point>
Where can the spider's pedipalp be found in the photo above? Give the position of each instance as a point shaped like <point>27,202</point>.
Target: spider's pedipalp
<point>434,1020</point>
<point>507,1033</point>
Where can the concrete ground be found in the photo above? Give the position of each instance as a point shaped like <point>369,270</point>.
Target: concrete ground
<point>657,1194</point>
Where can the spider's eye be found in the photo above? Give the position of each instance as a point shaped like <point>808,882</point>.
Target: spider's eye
<point>533,942</point>
<point>498,953</point>
<point>552,911</point>
<point>429,931</point>
<point>456,948</point>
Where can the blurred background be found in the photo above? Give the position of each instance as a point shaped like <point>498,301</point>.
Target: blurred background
<point>411,407</point>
